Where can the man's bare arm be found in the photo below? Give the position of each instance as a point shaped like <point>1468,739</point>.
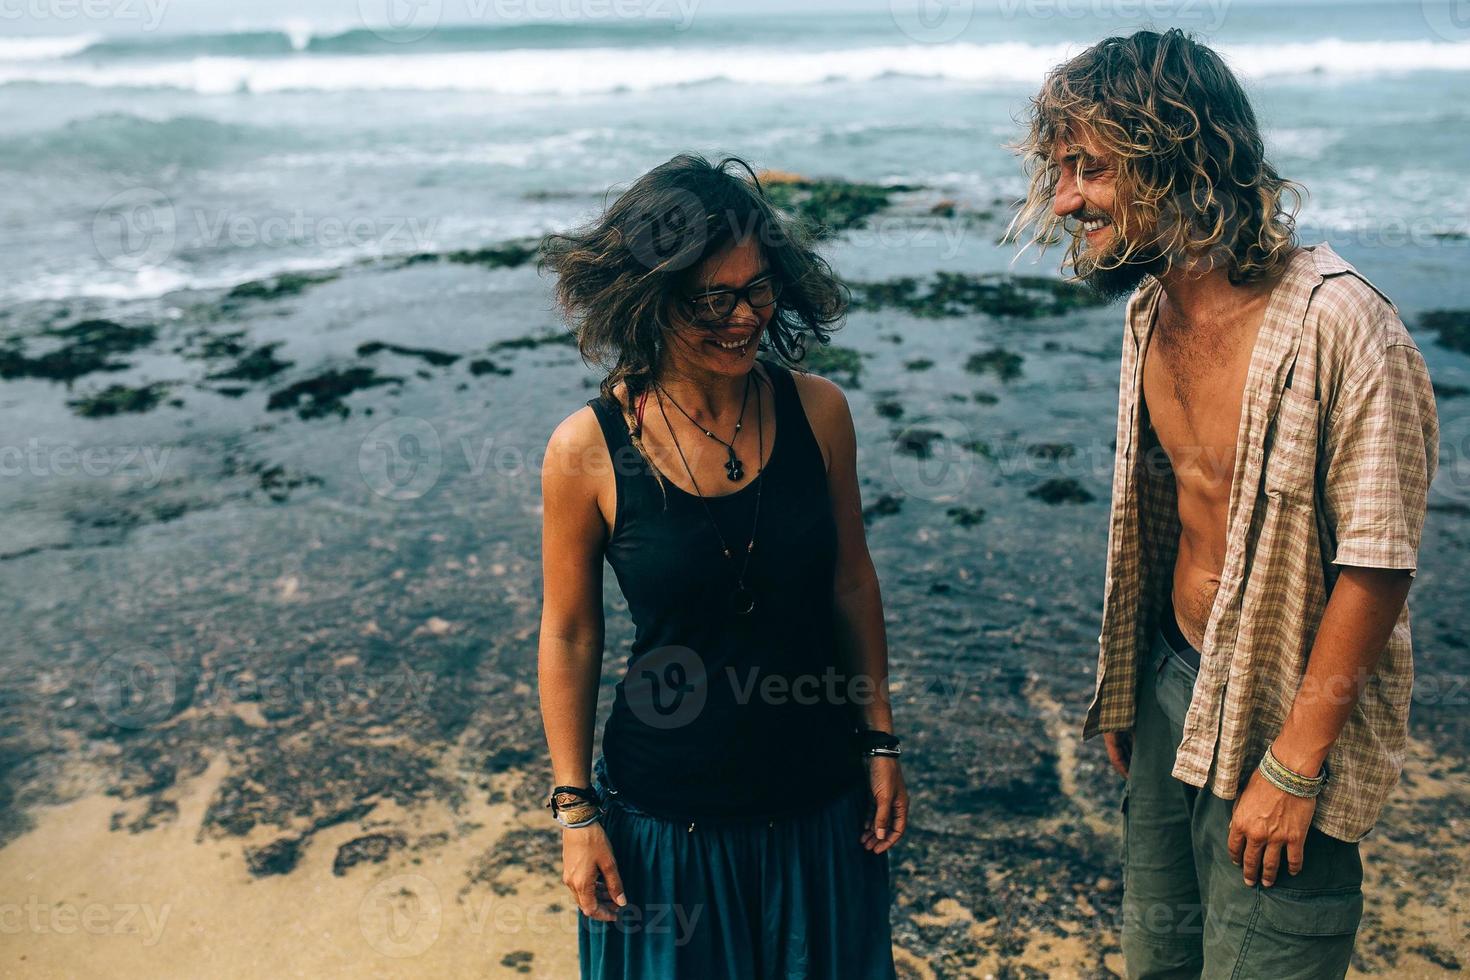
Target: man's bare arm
<point>1360,615</point>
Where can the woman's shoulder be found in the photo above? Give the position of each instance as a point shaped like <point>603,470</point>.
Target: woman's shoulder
<point>819,396</point>
<point>575,436</point>
<point>825,406</point>
<point>602,405</point>
<point>776,372</point>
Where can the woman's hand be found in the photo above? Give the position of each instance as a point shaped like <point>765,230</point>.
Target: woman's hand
<point>589,870</point>
<point>889,813</point>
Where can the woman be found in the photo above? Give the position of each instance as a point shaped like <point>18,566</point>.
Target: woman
<point>749,786</point>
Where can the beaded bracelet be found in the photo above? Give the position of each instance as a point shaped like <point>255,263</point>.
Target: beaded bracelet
<point>1290,781</point>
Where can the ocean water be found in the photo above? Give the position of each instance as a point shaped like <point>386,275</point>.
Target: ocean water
<point>139,163</point>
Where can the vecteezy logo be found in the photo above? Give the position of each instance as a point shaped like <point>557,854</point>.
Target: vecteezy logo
<point>135,688</point>
<point>932,21</point>
<point>667,687</point>
<point>671,233</point>
<point>929,460</point>
<point>401,21</point>
<point>1452,479</point>
<point>1450,19</point>
<point>135,228</point>
<point>401,915</point>
<point>401,458</point>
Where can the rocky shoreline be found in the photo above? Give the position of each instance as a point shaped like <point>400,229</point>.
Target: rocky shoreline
<point>278,662</point>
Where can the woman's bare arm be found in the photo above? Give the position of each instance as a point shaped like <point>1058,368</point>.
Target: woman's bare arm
<point>862,640</point>
<point>570,651</point>
<point>569,658</point>
<point>862,637</point>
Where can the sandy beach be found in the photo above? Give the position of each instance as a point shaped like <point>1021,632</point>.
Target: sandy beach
<point>476,892</point>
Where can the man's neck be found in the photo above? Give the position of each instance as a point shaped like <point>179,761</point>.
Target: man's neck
<point>1200,298</point>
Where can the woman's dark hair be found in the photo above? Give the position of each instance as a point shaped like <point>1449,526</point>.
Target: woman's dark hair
<point>617,277</point>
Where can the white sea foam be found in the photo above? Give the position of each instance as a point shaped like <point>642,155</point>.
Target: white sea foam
<point>152,281</point>
<point>600,70</point>
<point>512,153</point>
<point>299,31</point>
<point>44,48</point>
<point>148,281</point>
<point>1332,56</point>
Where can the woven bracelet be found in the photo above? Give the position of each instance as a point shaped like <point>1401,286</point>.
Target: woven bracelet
<point>1290,781</point>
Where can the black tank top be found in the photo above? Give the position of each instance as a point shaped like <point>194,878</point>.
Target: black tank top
<point>721,714</point>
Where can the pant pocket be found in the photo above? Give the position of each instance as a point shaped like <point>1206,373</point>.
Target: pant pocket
<point>1331,912</point>
<point>1301,935</point>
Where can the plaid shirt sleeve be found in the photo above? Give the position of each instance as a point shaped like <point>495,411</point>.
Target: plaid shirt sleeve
<point>1380,452</point>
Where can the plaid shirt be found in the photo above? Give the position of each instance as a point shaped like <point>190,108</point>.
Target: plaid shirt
<point>1337,444</point>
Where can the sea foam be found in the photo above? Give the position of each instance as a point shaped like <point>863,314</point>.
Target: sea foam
<point>589,71</point>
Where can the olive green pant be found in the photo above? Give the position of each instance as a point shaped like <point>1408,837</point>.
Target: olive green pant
<point>1187,911</point>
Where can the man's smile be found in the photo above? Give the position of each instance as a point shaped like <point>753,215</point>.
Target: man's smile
<point>1095,225</point>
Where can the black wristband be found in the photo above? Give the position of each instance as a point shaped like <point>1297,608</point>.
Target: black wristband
<point>869,739</point>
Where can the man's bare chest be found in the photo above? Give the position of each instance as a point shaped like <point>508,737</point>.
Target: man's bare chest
<point>1194,388</point>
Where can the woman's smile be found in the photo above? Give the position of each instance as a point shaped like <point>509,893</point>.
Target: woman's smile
<point>733,348</point>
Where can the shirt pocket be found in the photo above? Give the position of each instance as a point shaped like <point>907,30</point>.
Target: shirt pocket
<point>1291,454</point>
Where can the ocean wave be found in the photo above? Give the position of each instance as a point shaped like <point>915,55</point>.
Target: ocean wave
<point>446,234</point>
<point>541,72</point>
<point>145,283</point>
<point>244,44</point>
<point>44,48</point>
<point>118,140</point>
<point>300,35</point>
<point>498,152</point>
<point>1333,56</point>
<point>600,70</point>
<point>154,281</point>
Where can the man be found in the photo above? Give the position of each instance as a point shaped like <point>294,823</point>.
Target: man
<point>1276,438</point>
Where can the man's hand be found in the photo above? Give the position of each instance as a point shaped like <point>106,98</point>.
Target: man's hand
<point>1120,750</point>
<point>1264,821</point>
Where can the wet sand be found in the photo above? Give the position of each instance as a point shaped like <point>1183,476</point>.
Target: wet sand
<point>165,903</point>
<point>476,893</point>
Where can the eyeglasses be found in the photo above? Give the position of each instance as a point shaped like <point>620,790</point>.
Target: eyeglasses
<point>715,305</point>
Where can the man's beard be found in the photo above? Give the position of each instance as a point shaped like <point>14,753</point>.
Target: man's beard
<point>1115,281</point>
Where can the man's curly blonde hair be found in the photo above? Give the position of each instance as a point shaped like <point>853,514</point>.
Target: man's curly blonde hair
<point>1187,150</point>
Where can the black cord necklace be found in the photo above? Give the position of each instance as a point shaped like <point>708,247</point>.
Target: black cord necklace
<point>734,469</point>
<point>742,600</point>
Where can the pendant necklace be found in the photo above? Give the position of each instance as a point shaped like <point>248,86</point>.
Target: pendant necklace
<point>734,469</point>
<point>742,600</point>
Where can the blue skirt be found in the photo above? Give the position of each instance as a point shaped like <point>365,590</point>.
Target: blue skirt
<point>795,897</point>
